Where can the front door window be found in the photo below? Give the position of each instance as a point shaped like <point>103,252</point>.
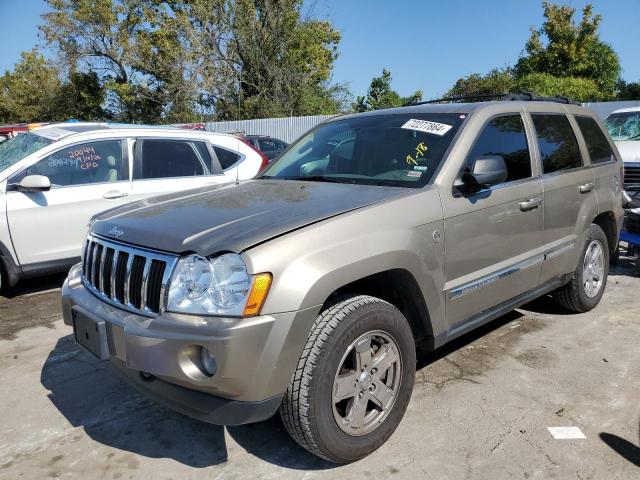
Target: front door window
<point>86,163</point>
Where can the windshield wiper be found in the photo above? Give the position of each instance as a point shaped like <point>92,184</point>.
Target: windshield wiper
<point>321,178</point>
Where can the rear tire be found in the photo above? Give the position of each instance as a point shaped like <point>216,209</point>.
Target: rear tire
<point>589,280</point>
<point>353,381</point>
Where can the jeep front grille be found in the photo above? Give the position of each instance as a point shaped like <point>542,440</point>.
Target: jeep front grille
<point>632,175</point>
<point>129,277</point>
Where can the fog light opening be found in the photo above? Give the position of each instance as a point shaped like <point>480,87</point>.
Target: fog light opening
<point>207,362</point>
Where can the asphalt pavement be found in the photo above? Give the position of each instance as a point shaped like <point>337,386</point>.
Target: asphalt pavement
<point>480,409</point>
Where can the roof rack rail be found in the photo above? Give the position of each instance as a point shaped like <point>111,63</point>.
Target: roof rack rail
<point>503,97</point>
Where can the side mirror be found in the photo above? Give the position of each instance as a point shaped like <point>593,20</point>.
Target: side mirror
<point>486,171</point>
<point>34,183</point>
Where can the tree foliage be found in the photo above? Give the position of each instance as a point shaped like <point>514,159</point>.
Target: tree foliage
<point>34,92</point>
<point>498,80</point>
<point>81,97</point>
<point>628,91</point>
<point>172,60</point>
<point>283,63</point>
<point>561,57</point>
<point>545,84</point>
<point>380,95</point>
<point>563,48</point>
<point>28,93</point>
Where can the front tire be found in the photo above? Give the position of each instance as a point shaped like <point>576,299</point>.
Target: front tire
<point>353,381</point>
<point>4,279</point>
<point>589,280</point>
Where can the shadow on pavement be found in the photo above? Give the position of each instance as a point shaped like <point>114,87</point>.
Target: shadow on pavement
<point>35,285</point>
<point>89,395</point>
<point>428,357</point>
<point>624,448</point>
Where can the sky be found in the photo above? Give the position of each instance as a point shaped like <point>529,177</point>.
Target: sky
<point>425,44</point>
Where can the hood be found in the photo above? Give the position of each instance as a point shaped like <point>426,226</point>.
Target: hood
<point>233,217</point>
<point>629,150</point>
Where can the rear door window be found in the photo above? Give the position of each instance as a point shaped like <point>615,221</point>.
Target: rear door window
<point>92,162</point>
<point>161,158</point>
<point>597,144</point>
<point>504,136</point>
<point>557,143</point>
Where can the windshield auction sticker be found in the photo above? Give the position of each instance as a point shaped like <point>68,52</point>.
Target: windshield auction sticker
<point>427,126</point>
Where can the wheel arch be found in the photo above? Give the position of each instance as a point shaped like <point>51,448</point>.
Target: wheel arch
<point>607,222</point>
<point>399,287</point>
<point>12,270</point>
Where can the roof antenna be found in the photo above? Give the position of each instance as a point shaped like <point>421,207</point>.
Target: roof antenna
<point>238,162</point>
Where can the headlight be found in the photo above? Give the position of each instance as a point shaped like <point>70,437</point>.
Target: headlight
<point>218,286</point>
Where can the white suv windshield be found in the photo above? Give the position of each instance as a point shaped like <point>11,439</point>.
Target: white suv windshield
<point>624,126</point>
<point>15,149</point>
<point>402,150</point>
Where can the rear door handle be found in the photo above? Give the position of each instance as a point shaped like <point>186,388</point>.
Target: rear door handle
<point>586,188</point>
<point>113,194</point>
<point>530,204</point>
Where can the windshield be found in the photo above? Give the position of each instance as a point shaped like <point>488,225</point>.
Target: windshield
<point>15,149</point>
<point>397,150</point>
<point>624,126</point>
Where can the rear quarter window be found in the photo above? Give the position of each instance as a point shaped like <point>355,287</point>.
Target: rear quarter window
<point>557,143</point>
<point>226,158</point>
<point>597,144</point>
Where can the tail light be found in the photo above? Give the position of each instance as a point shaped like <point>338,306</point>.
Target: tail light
<point>265,160</point>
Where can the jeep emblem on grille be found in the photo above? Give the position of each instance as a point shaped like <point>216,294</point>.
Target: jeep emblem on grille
<point>116,232</point>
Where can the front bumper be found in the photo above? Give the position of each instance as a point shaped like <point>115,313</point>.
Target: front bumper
<point>159,356</point>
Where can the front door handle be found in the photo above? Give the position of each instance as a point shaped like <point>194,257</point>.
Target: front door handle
<point>586,188</point>
<point>113,194</point>
<point>530,204</point>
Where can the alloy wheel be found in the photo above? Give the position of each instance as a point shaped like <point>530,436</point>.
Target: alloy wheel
<point>367,383</point>
<point>593,268</point>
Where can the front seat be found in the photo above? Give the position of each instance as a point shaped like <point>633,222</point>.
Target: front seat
<point>109,172</point>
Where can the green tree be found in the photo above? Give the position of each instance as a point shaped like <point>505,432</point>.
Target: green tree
<point>281,63</point>
<point>380,95</point>
<point>111,38</point>
<point>497,81</point>
<point>81,97</point>
<point>170,60</point>
<point>29,92</point>
<point>560,58</point>
<point>628,91</point>
<point>545,84</point>
<point>563,48</point>
<point>34,92</point>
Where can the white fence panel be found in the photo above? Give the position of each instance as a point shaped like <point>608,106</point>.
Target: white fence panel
<point>287,129</point>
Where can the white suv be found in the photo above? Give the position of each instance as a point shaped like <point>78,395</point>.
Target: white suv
<point>55,178</point>
<point>624,128</point>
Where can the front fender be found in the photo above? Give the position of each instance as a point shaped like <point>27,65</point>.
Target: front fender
<point>310,264</point>
<point>7,253</point>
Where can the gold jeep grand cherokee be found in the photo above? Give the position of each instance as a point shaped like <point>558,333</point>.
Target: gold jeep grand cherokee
<point>308,289</point>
